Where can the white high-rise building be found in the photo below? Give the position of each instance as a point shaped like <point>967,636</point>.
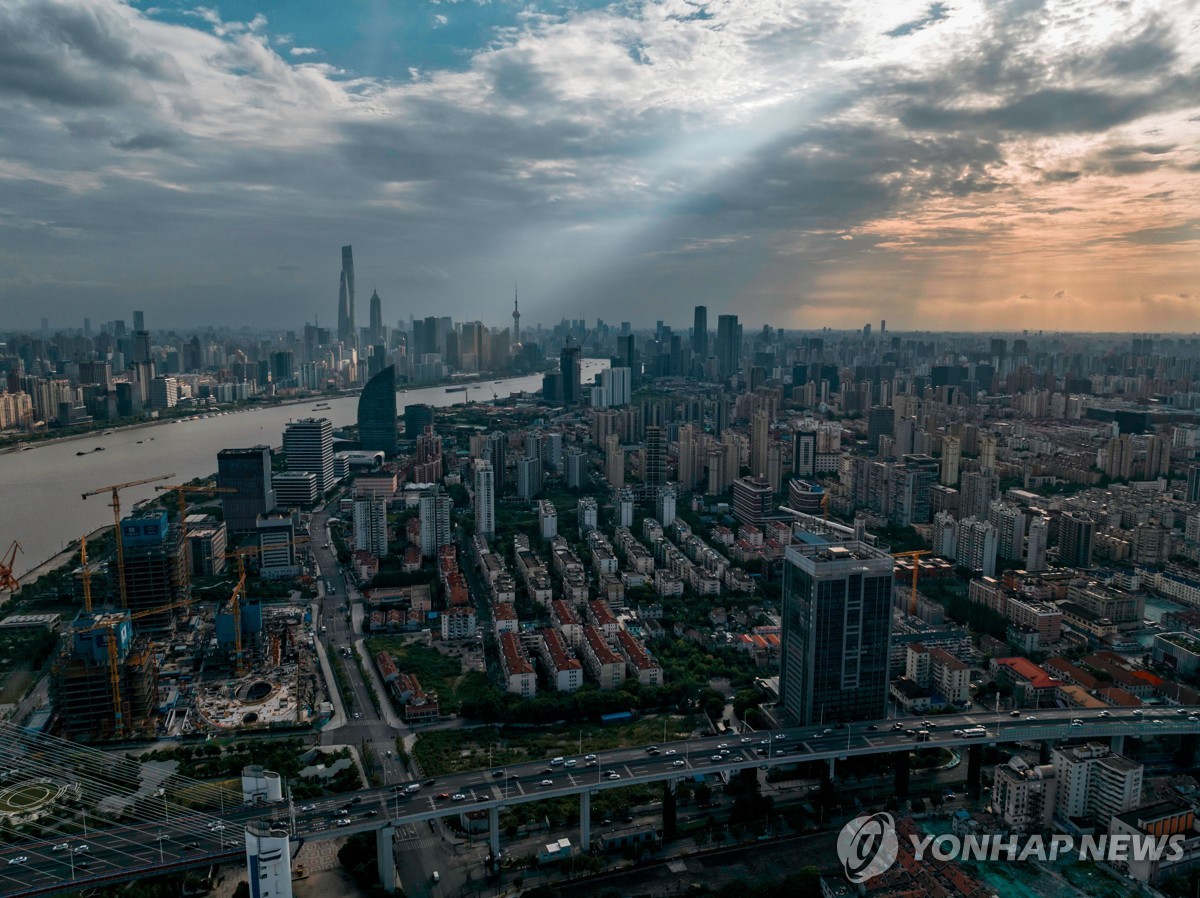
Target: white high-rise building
<point>976,541</point>
<point>485,499</point>
<point>588,514</point>
<point>435,522</point>
<point>1095,784</point>
<point>269,856</point>
<point>625,502</point>
<point>1035,544</point>
<point>529,477</point>
<point>616,383</point>
<point>1009,522</point>
<point>951,453</point>
<point>666,506</point>
<point>370,525</point>
<point>308,445</point>
<point>576,467</point>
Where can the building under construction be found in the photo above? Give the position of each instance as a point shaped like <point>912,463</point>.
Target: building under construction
<point>103,660</point>
<point>155,556</point>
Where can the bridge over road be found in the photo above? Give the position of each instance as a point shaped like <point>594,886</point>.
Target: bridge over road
<point>162,833</point>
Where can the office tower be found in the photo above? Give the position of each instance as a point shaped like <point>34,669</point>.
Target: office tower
<point>155,556</point>
<point>614,461</point>
<point>346,327</point>
<point>987,455</point>
<point>493,453</point>
<point>910,488</point>
<point>529,476</point>
<point>759,437</point>
<point>249,472</point>
<point>665,505</point>
<point>700,334</point>
<point>752,499</point>
<point>804,453</point>
<point>627,354</point>
<point>141,346</point>
<point>1094,784</point>
<point>139,321</point>
<point>1075,535</point>
<point>729,346</point>
<point>655,474</point>
<point>689,471</point>
<point>880,422</point>
<point>569,371</point>
<point>576,468</point>
<point>308,445</point>
<point>1035,544</point>
<point>97,373</point>
<point>1009,522</point>
<point>1192,490</point>
<point>377,413</point>
<point>435,521</point>
<point>485,499</point>
<point>1158,457</point>
<point>375,330</point>
<point>950,460</point>
<point>837,629</point>
<point>370,525</point>
<point>416,418</point>
<point>283,365</point>
<point>616,383</point>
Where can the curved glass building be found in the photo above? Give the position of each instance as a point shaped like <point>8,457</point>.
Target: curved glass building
<point>377,413</point>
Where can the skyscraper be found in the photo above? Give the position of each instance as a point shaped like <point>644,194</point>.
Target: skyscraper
<point>837,631</point>
<point>951,453</point>
<point>700,334</point>
<point>493,452</point>
<point>376,324</point>
<point>1075,535</point>
<point>346,326</point>
<point>249,472</point>
<point>760,430</point>
<point>614,461</point>
<point>655,474</point>
<point>435,521</point>
<point>729,345</point>
<point>377,413</point>
<point>370,525</point>
<point>568,366</point>
<point>308,445</point>
<point>485,499</point>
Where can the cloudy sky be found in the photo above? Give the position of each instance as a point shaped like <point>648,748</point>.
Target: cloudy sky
<point>969,164</point>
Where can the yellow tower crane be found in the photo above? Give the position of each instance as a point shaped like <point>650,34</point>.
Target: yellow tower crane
<point>239,592</point>
<point>110,625</point>
<point>7,580</point>
<point>87,574</point>
<point>115,503</point>
<point>185,578</point>
<point>915,555</point>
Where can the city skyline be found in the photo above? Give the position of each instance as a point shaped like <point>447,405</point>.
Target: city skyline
<point>939,167</point>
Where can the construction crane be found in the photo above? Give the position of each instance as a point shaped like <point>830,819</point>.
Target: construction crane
<point>185,578</point>
<point>239,591</point>
<point>115,490</point>
<point>7,580</point>
<point>114,662</point>
<point>87,574</point>
<point>915,555</point>
<point>825,505</point>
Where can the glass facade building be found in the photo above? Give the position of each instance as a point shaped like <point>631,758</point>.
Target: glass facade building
<point>377,413</point>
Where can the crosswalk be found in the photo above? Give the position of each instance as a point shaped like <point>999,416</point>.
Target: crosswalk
<point>414,844</point>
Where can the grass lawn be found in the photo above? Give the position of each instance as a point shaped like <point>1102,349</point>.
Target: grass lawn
<point>449,751</point>
<point>438,673</point>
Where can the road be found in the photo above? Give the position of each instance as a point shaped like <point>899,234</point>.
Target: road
<point>548,778</point>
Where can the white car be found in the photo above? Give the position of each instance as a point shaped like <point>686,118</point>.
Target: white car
<point>614,776</point>
<point>19,859</point>
<point>546,783</point>
<point>745,739</point>
<point>589,757</point>
<point>216,827</point>
<point>716,758</point>
<point>669,751</point>
<point>79,849</point>
<point>457,796</point>
<point>344,821</point>
<point>61,846</point>
<point>679,763</point>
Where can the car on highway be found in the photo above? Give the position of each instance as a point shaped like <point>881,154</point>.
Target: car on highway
<point>430,781</point>
<point>1014,713</point>
<point>614,776</point>
<point>546,783</point>
<point>1030,717</point>
<point>19,859</point>
<point>437,877</point>
<point>343,821</point>
<point>189,846</point>
<point>458,796</point>
<point>371,814</point>
<point>497,773</point>
<point>61,846</point>
<point>679,763</point>
<point>897,725</point>
<point>570,762</point>
<point>716,758</point>
<point>744,739</point>
<point>79,849</point>
<point>1106,714</point>
<point>669,751</point>
<point>1076,723</point>
<point>870,726</point>
<point>1137,712</point>
<point>589,757</point>
<point>412,787</point>
<point>442,796</point>
<point>723,745</point>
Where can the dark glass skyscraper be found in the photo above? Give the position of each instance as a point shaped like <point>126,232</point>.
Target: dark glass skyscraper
<point>568,366</point>
<point>377,413</point>
<point>249,472</point>
<point>376,325</point>
<point>700,334</point>
<point>729,345</point>
<point>346,327</point>
<point>837,632</point>
<point>416,418</point>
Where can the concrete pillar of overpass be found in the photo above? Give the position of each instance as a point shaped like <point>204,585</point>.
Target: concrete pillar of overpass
<point>585,822</point>
<point>974,769</point>
<point>1117,744</point>
<point>902,772</point>
<point>494,830</point>
<point>386,857</point>
<point>1187,750</point>
<point>832,768</point>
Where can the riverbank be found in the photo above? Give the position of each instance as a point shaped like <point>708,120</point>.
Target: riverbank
<point>53,563</point>
<point>9,442</point>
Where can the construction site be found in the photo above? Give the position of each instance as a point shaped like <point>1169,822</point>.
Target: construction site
<point>156,658</point>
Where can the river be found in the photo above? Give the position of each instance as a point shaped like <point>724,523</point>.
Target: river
<point>40,489</point>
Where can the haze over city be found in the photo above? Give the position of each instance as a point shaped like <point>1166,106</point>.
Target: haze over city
<point>942,165</point>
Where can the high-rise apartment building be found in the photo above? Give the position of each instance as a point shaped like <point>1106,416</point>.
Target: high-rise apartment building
<point>529,476</point>
<point>837,629</point>
<point>614,461</point>
<point>435,521</point>
<point>1009,522</point>
<point>1035,544</point>
<point>616,384</point>
<point>1094,784</point>
<point>655,474</point>
<point>485,499</point>
<point>951,454</point>
<point>804,453</point>
<point>377,413</point>
<point>752,499</point>
<point>370,525</point>
<point>1075,535</point>
<point>308,445</point>
<point>248,471</point>
<point>760,435</point>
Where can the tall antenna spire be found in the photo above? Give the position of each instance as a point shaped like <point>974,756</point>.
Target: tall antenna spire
<point>516,316</point>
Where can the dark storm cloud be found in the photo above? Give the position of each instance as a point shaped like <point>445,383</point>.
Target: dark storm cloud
<point>73,54</point>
